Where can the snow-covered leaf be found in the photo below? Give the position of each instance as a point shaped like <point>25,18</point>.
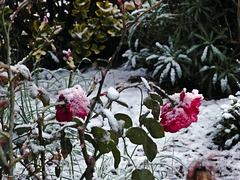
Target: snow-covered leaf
<point>157,70</point>
<point>153,56</point>
<point>224,83</point>
<point>128,121</point>
<point>218,52</point>
<point>204,54</point>
<point>165,72</point>
<point>173,76</point>
<point>193,48</point>
<point>215,77</point>
<point>113,123</point>
<point>177,68</point>
<point>145,83</point>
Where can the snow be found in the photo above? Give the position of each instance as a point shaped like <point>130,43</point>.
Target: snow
<point>113,123</point>
<point>112,93</point>
<point>178,150</point>
<point>36,148</point>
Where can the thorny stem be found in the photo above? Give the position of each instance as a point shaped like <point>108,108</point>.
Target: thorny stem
<point>90,161</point>
<point>11,93</point>
<point>41,141</point>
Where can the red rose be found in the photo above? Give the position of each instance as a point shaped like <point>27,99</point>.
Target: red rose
<point>76,104</point>
<point>183,114</point>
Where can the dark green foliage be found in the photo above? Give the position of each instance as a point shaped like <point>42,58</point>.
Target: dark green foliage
<point>142,174</point>
<point>87,27</point>
<point>228,129</point>
<point>205,32</point>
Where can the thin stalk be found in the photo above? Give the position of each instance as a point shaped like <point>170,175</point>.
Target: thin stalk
<point>125,150</point>
<point>163,92</point>
<point>11,93</point>
<point>70,79</point>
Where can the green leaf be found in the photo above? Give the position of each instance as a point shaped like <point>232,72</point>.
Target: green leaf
<point>155,109</point>
<point>148,102</point>
<point>113,136</point>
<point>204,54</point>
<point>77,120</point>
<point>124,117</point>
<point>102,137</point>
<point>116,154</point>
<point>157,97</point>
<point>143,116</point>
<point>23,129</point>
<point>193,48</point>
<point>200,37</point>
<point>218,52</point>
<point>3,159</point>
<point>150,149</point>
<point>154,127</point>
<point>91,140</point>
<point>137,135</point>
<point>66,146</point>
<point>36,24</point>
<point>142,174</point>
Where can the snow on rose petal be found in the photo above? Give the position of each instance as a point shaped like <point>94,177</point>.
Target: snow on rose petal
<point>183,114</point>
<point>76,104</point>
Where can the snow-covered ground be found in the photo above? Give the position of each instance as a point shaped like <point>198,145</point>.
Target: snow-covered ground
<point>177,151</point>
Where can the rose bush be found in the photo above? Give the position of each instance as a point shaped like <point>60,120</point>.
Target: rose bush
<point>176,117</point>
<point>76,104</point>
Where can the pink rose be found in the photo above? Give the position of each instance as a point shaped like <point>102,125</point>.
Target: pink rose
<point>183,114</point>
<point>76,104</point>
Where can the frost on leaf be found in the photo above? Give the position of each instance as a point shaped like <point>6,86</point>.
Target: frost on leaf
<point>204,54</point>
<point>145,83</point>
<point>224,83</point>
<point>173,76</point>
<point>115,125</point>
<point>39,93</point>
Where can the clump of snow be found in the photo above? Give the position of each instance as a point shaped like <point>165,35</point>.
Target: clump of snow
<point>21,69</point>
<point>33,91</point>
<point>145,83</point>
<point>227,115</point>
<point>112,93</point>
<point>36,148</point>
<point>227,130</point>
<point>115,125</point>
